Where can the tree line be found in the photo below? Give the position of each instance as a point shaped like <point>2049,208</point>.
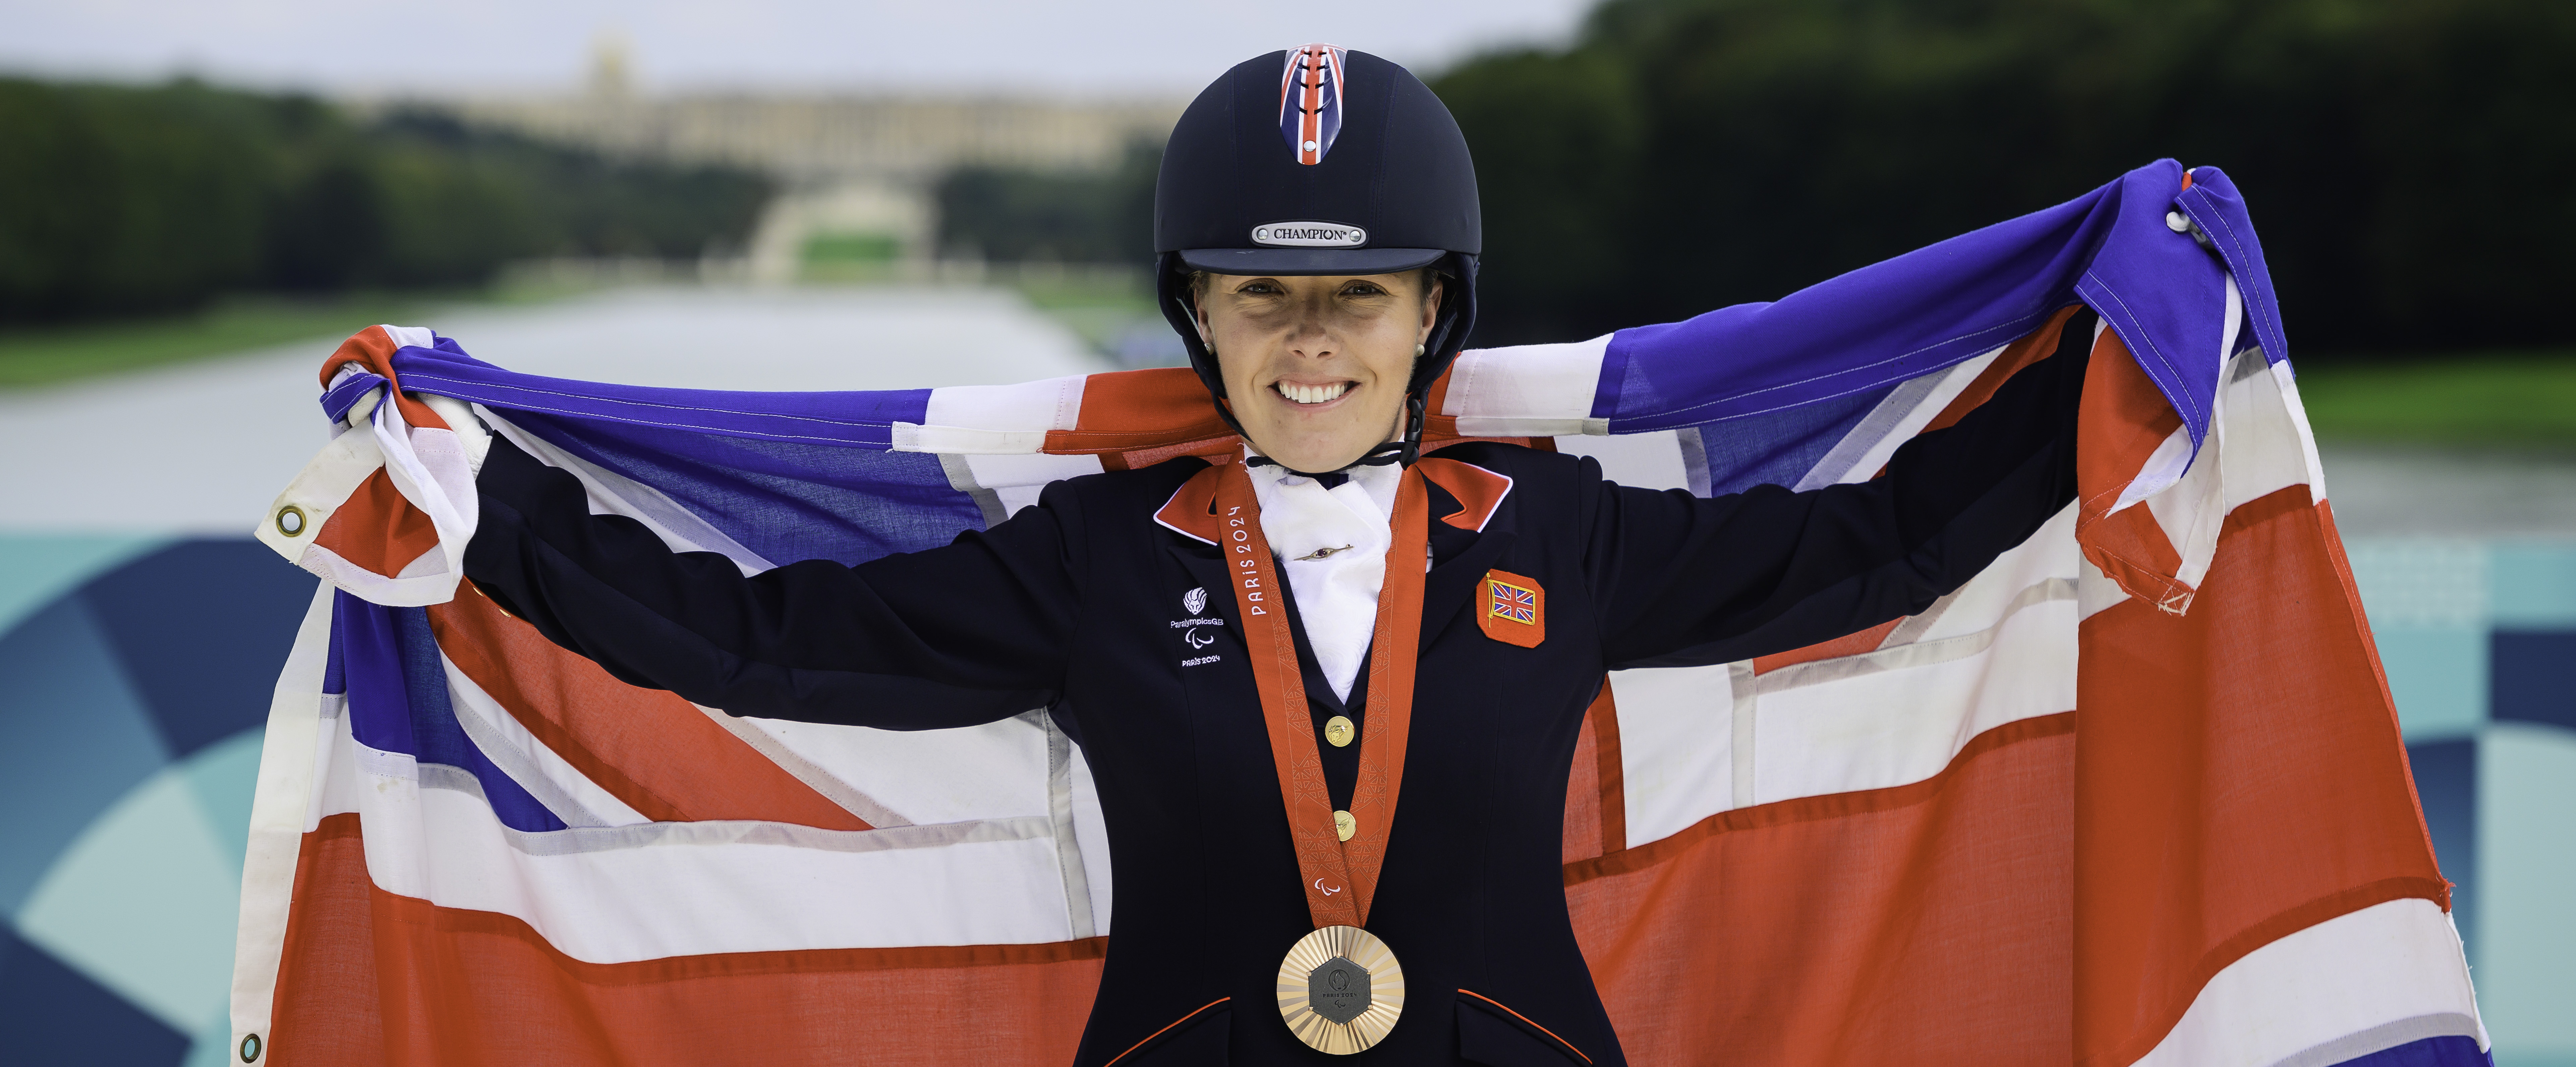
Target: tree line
<point>137,199</point>
<point>1015,214</point>
<point>2412,163</point>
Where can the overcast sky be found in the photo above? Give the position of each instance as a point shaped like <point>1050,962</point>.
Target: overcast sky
<point>1099,47</point>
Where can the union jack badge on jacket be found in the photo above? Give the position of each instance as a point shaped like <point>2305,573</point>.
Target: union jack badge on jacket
<point>1515,610</point>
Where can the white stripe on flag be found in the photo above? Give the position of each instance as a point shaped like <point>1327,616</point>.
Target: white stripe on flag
<point>2352,985</point>
<point>993,419</point>
<point>1896,419</point>
<point>280,810</point>
<point>1899,715</point>
<point>1528,390</point>
<point>1644,460</point>
<point>1696,741</point>
<point>998,770</point>
<point>619,894</point>
<point>564,790</point>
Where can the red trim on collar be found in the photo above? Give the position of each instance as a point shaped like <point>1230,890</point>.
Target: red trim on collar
<point>1478,489</point>
<point>1191,512</point>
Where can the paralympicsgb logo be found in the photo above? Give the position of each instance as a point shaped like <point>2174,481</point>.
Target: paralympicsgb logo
<point>1194,601</point>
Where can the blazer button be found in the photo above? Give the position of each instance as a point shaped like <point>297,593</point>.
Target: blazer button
<point>1344,825</point>
<point>1338,730</point>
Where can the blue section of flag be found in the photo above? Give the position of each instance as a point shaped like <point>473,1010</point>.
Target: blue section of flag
<point>338,399</point>
<point>786,501</point>
<point>1780,447</point>
<point>864,419</point>
<point>2112,248</point>
<point>335,672</point>
<point>2213,203</point>
<point>398,703</point>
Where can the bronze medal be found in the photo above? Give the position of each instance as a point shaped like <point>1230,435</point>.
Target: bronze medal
<point>1340,988</point>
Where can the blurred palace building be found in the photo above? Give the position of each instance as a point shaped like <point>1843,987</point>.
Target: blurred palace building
<point>855,168</point>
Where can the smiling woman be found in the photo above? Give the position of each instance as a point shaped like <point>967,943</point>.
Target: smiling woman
<point>1316,368</point>
<point>1335,805</point>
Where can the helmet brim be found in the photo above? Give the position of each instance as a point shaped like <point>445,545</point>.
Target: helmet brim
<point>1308,261</point>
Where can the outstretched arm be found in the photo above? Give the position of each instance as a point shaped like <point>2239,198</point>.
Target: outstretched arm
<point>1681,580</point>
<point>971,632</point>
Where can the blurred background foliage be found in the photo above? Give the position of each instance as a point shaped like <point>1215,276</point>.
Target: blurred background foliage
<point>2409,161</point>
<point>124,200</point>
<point>1022,215</point>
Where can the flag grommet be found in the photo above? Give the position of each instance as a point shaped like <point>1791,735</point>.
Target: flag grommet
<point>290,522</point>
<point>250,1048</point>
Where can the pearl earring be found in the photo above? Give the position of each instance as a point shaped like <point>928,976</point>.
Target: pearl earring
<point>1417,350</point>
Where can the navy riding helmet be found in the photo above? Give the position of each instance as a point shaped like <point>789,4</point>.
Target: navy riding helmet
<point>1320,160</point>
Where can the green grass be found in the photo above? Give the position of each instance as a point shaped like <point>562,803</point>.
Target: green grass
<point>33,356</point>
<point>852,248</point>
<point>849,259</point>
<point>45,355</point>
<point>2515,399</point>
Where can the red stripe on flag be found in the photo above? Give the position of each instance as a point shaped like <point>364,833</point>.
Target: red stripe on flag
<point>377,529</point>
<point>1601,722</point>
<point>2242,776</point>
<point>1925,923</point>
<point>1847,645</point>
<point>2125,417</point>
<point>1596,790</point>
<point>1132,410</point>
<point>651,749</point>
<point>371,978</point>
<point>2068,884</point>
<point>1133,419</point>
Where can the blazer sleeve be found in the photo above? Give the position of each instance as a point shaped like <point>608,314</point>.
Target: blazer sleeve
<point>972,632</point>
<point>1684,581</point>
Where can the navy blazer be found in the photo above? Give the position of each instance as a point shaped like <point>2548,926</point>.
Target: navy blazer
<point>1069,605</point>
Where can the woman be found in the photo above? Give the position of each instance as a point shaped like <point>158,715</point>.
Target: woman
<point>1263,655</point>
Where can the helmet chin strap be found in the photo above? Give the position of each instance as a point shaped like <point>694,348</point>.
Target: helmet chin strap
<point>1403,450</point>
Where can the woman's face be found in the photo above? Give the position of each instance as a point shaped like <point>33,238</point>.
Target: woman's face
<point>1316,366</point>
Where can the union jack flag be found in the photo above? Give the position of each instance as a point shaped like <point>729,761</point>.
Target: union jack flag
<point>1310,101</point>
<point>472,846</point>
<point>1513,602</point>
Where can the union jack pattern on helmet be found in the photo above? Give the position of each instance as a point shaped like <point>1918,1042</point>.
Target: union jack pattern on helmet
<point>1310,101</point>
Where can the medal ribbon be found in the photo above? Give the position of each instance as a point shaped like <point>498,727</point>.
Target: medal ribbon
<point>1340,876</point>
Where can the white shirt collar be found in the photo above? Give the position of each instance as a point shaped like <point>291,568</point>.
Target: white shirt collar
<point>1351,527</point>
